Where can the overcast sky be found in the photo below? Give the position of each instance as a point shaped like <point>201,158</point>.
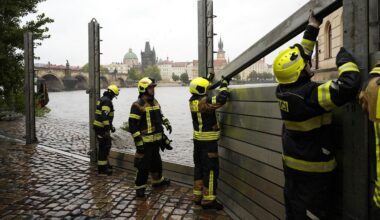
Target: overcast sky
<point>169,25</point>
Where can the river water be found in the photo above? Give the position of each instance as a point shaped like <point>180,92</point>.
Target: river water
<point>70,114</point>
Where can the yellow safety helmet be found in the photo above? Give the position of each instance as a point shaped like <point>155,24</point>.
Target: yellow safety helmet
<point>288,65</point>
<point>199,86</point>
<point>145,83</point>
<point>114,89</point>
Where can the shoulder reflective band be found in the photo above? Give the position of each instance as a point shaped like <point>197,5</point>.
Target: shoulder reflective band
<point>308,166</point>
<point>350,66</point>
<point>98,123</point>
<point>206,135</point>
<point>375,70</point>
<point>194,106</point>
<point>135,116</point>
<point>310,124</point>
<point>324,96</point>
<point>308,46</point>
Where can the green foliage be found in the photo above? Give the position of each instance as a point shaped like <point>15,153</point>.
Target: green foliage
<point>184,78</point>
<point>103,69</point>
<point>152,72</point>
<point>175,77</point>
<point>134,74</point>
<point>12,45</point>
<point>41,112</point>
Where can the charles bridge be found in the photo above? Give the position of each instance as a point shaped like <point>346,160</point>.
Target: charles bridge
<point>59,77</point>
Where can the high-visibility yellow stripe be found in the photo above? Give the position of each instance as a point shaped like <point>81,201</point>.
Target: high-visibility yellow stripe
<point>148,122</point>
<point>106,108</point>
<point>308,46</point>
<point>158,181</point>
<point>210,194</point>
<point>152,137</point>
<point>139,143</point>
<point>378,104</point>
<point>194,106</point>
<point>206,135</point>
<point>376,195</point>
<point>98,112</point>
<point>97,102</point>
<point>106,122</point>
<point>200,122</point>
<point>137,133</point>
<point>223,89</point>
<point>110,114</point>
<point>102,162</point>
<point>377,136</point>
<point>213,100</point>
<point>98,123</point>
<point>155,107</point>
<point>375,70</point>
<point>197,192</point>
<point>308,166</point>
<point>138,117</point>
<point>310,124</point>
<point>349,66</point>
<point>324,96</point>
<point>141,187</point>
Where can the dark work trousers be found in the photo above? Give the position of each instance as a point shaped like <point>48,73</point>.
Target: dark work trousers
<point>103,149</point>
<point>151,162</point>
<point>308,195</point>
<point>206,163</point>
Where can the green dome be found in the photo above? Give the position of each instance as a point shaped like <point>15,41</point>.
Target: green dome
<point>130,55</point>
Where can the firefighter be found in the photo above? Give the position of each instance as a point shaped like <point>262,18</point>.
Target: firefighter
<point>206,135</point>
<point>307,139</point>
<point>103,126</point>
<point>370,100</point>
<point>146,123</point>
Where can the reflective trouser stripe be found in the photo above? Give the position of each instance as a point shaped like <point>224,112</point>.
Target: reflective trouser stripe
<point>308,166</point>
<point>206,135</point>
<point>197,192</point>
<point>141,187</point>
<point>310,124</point>
<point>102,162</point>
<point>210,195</point>
<point>152,137</point>
<point>158,181</point>
<point>376,196</point>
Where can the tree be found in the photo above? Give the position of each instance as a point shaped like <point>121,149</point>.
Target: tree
<point>103,69</point>
<point>184,78</point>
<point>12,41</point>
<point>152,71</point>
<point>134,74</point>
<point>175,78</point>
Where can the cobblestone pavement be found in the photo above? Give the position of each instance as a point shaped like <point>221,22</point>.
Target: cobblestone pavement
<point>73,137</point>
<point>39,183</point>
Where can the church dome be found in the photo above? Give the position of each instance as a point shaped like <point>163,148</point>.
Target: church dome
<point>130,55</point>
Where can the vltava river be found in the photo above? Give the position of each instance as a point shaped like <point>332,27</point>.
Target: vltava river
<point>72,107</point>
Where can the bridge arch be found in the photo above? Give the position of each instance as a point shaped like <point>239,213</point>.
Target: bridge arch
<point>81,82</point>
<point>121,82</point>
<point>103,82</point>
<point>53,83</point>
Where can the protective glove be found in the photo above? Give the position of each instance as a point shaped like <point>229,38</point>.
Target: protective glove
<point>113,129</point>
<point>165,143</point>
<point>224,83</point>
<point>167,125</point>
<point>313,21</point>
<point>343,57</point>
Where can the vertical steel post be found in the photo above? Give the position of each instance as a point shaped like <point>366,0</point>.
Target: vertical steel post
<point>202,38</point>
<point>354,140</point>
<point>210,37</point>
<point>29,101</point>
<point>94,80</point>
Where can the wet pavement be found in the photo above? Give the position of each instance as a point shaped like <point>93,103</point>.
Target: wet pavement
<point>37,183</point>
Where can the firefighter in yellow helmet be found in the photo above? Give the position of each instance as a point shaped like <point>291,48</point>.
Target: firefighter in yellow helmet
<point>307,139</point>
<point>206,135</point>
<point>103,125</point>
<point>146,123</point>
<point>370,100</point>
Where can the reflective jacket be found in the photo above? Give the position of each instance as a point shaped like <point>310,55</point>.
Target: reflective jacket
<point>103,114</point>
<point>205,123</point>
<point>145,120</point>
<point>305,107</point>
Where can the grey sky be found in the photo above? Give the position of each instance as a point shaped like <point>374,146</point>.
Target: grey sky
<point>169,25</point>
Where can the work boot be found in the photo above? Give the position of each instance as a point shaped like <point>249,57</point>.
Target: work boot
<point>164,182</point>
<point>104,170</point>
<point>213,205</point>
<point>140,192</point>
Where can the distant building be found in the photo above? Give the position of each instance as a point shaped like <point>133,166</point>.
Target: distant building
<point>148,57</point>
<point>259,67</point>
<point>130,60</point>
<point>220,61</point>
